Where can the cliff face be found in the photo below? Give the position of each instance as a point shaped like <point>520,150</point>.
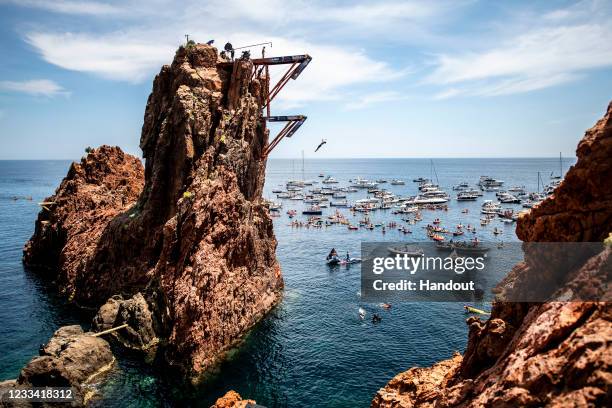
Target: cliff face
<point>104,184</point>
<point>198,242</point>
<point>554,354</point>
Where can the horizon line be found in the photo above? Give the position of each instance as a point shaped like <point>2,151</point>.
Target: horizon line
<point>360,158</point>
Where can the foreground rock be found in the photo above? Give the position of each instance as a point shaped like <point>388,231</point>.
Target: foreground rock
<point>71,358</point>
<point>197,242</point>
<point>233,400</point>
<point>139,335</point>
<point>556,354</point>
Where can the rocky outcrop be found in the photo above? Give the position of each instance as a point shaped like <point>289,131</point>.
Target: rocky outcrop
<point>581,208</point>
<point>139,335</point>
<point>71,358</point>
<point>198,242</point>
<point>557,353</point>
<point>233,400</point>
<point>104,184</point>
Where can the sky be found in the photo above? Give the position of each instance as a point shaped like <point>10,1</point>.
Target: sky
<point>460,78</point>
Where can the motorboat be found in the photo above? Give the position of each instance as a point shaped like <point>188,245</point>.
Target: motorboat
<point>313,210</point>
<point>406,250</point>
<point>363,183</point>
<point>471,248</point>
<point>486,181</point>
<point>398,182</point>
<point>341,203</point>
<point>421,200</point>
<point>507,198</point>
<point>464,196</point>
<point>329,180</point>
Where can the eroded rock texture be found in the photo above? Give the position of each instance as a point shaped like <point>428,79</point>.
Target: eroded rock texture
<point>71,358</point>
<point>555,354</point>
<point>232,399</point>
<point>104,184</point>
<point>197,242</point>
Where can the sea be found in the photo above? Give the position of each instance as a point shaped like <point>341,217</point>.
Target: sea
<point>313,350</point>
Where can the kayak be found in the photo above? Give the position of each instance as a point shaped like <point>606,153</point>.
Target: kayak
<point>350,261</point>
<point>470,309</point>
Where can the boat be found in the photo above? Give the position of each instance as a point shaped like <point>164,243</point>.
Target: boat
<point>486,181</point>
<point>321,175</point>
<point>464,196</point>
<point>457,233</point>
<point>427,200</point>
<point>398,182</point>
<point>381,181</point>
<point>419,180</point>
<point>517,189</point>
<point>274,206</point>
<point>329,180</point>
<point>461,186</point>
<point>406,250</point>
<point>363,183</point>
<point>341,203</point>
<point>444,246</point>
<point>334,260</point>
<point>350,261</point>
<point>313,210</point>
<point>507,198</point>
<point>470,309</point>
<point>472,248</point>
<point>352,227</point>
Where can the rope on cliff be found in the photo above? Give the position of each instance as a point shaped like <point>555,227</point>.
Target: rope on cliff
<point>114,329</point>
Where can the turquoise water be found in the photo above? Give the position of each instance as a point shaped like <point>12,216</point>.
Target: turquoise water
<point>310,351</point>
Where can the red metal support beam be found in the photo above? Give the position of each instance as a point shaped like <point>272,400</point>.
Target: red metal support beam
<point>293,124</point>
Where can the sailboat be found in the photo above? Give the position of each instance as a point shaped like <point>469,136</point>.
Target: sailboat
<point>554,176</point>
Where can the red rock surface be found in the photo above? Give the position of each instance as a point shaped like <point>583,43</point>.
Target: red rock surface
<point>198,242</point>
<point>71,358</point>
<point>556,354</point>
<point>232,400</point>
<point>104,184</point>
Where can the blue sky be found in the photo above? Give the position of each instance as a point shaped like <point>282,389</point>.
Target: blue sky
<point>460,78</point>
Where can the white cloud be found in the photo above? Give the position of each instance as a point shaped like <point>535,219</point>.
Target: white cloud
<point>136,56</point>
<point>559,48</point>
<point>35,87</point>
<point>447,94</point>
<point>374,98</point>
<point>70,7</point>
<point>331,74</point>
<point>151,32</point>
<point>116,56</point>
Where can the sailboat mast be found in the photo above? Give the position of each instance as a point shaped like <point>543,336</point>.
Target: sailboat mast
<point>560,166</point>
<point>538,181</point>
<point>433,169</point>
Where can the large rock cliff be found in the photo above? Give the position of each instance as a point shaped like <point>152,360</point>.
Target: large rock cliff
<point>557,353</point>
<point>197,241</point>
